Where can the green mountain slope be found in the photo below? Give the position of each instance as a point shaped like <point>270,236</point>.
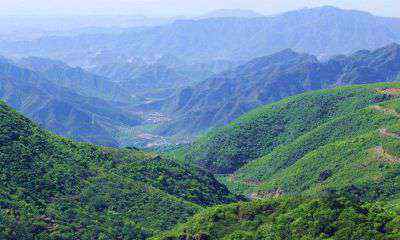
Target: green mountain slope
<point>53,188</point>
<point>320,140</point>
<point>332,216</point>
<point>321,165</point>
<point>358,148</point>
<point>255,134</point>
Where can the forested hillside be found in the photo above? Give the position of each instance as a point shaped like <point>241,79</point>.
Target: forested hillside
<point>54,188</point>
<point>334,174</point>
<point>310,142</point>
<point>332,216</point>
<point>321,165</point>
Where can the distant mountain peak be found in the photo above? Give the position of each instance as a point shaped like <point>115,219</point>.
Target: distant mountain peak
<point>328,9</point>
<point>287,54</point>
<point>395,46</point>
<point>390,48</point>
<point>391,51</point>
<point>229,13</point>
<point>4,60</point>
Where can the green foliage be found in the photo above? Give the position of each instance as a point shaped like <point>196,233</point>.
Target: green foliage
<point>54,188</point>
<point>333,216</point>
<point>344,149</point>
<point>331,139</point>
<point>257,133</point>
<point>324,165</point>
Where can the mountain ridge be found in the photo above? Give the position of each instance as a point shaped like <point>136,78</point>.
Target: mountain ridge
<point>227,38</point>
<point>223,97</point>
<point>231,13</point>
<point>60,109</point>
<point>76,79</point>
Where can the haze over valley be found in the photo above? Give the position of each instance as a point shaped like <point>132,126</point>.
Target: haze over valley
<point>164,76</point>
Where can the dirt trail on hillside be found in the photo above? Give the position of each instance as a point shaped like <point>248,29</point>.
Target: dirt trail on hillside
<point>389,111</point>
<point>385,157</point>
<point>390,91</point>
<point>386,133</point>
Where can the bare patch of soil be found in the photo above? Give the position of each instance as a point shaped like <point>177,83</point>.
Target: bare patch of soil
<point>383,156</point>
<point>389,91</point>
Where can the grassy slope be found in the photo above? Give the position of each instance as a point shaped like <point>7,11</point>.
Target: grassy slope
<point>55,188</point>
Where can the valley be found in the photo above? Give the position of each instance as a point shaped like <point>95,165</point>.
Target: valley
<point>344,156</point>
<point>223,97</point>
<point>231,124</point>
<point>177,96</point>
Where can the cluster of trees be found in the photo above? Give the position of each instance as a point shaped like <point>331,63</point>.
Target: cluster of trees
<point>334,215</point>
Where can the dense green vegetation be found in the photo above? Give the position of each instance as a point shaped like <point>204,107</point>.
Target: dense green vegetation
<point>332,216</point>
<point>53,188</point>
<point>321,165</point>
<point>305,144</point>
<point>255,134</point>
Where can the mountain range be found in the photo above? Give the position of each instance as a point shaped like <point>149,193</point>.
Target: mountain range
<point>85,106</point>
<point>163,93</point>
<point>76,79</point>
<point>255,127</point>
<point>224,97</point>
<point>60,109</point>
<point>231,13</point>
<point>323,31</point>
<point>59,188</point>
<point>166,72</point>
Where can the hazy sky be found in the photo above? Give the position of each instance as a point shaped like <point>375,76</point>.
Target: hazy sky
<point>185,7</point>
